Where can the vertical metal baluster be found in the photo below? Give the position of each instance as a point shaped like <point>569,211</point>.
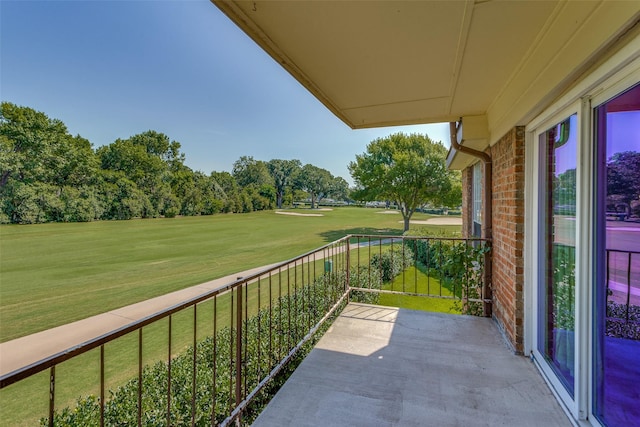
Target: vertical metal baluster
<point>140,377</point>
<point>305,291</point>
<point>259,330</point>
<point>214,392</point>
<point>270,321</point>
<point>415,264</point>
<point>289,308</point>
<point>428,267</point>
<point>295,302</point>
<point>52,394</point>
<point>239,347</point>
<point>315,295</point>
<point>169,372</point>
<point>380,260</point>
<point>369,263</point>
<point>280,325</point>
<point>348,284</point>
<point>440,265</point>
<point>608,273</point>
<point>195,366</point>
<point>325,258</point>
<point>231,319</point>
<point>102,385</point>
<point>358,257</point>
<point>628,285</point>
<point>466,269</point>
<point>403,267</point>
<point>245,334</point>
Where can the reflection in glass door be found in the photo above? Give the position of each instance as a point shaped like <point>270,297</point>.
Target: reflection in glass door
<point>556,288</point>
<point>617,293</point>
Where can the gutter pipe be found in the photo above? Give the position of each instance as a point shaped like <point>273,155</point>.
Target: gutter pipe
<point>487,211</point>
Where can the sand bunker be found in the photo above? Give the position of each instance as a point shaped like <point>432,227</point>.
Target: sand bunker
<point>389,212</point>
<point>437,221</point>
<point>296,213</point>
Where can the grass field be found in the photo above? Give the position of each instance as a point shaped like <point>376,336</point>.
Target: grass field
<point>56,273</point>
<point>53,274</point>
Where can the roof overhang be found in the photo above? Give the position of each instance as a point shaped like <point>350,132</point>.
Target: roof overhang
<point>384,63</point>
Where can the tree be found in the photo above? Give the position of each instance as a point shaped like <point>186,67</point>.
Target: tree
<point>339,188</point>
<point>282,172</point>
<point>248,171</point>
<point>408,169</point>
<point>148,159</point>
<point>315,181</point>
<point>623,175</point>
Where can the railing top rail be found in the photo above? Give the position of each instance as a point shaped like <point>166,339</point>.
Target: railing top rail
<point>41,365</point>
<point>391,236</point>
<point>623,251</point>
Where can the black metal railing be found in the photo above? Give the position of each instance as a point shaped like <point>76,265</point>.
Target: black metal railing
<point>207,360</point>
<point>623,293</point>
<point>433,267</point>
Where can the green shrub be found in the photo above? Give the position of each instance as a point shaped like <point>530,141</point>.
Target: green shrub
<point>391,263</point>
<point>280,329</point>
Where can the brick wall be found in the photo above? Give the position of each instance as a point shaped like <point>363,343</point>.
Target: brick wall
<point>508,235</point>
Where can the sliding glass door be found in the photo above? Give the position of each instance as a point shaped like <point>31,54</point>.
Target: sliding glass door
<point>616,397</point>
<point>557,248</point>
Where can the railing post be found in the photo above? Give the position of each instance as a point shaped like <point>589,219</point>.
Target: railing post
<point>239,346</point>
<point>52,394</point>
<point>628,285</point>
<point>348,283</point>
<point>486,281</point>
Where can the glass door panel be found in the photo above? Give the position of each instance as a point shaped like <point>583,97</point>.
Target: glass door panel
<point>557,216</point>
<point>617,293</point>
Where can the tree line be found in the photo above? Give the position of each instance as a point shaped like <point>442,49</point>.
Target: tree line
<point>48,175</point>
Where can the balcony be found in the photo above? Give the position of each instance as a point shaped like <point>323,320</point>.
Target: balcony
<point>383,366</point>
<point>216,356</point>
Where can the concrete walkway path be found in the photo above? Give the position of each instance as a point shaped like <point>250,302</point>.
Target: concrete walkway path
<point>383,366</point>
<point>27,350</point>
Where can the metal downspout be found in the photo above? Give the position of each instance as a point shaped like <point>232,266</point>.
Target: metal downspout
<point>487,212</point>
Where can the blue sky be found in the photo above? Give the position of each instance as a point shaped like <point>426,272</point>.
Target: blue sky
<point>112,69</point>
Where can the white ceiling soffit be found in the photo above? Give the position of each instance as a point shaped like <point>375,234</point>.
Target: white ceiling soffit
<point>385,63</point>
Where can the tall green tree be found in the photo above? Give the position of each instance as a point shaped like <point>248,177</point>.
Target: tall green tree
<point>148,160</point>
<point>45,173</point>
<point>315,181</point>
<point>407,169</point>
<point>283,172</point>
<point>250,172</point>
<point>623,175</point>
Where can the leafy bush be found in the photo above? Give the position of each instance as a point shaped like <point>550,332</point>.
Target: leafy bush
<point>391,263</point>
<point>459,266</point>
<point>279,329</point>
<point>617,323</point>
<point>364,277</point>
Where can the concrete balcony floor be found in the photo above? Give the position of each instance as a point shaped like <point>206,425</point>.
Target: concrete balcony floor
<point>381,366</point>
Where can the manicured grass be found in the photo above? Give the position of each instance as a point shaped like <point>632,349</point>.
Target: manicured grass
<point>53,274</point>
<point>25,402</point>
<point>417,281</point>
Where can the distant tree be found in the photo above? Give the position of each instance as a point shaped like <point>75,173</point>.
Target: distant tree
<point>407,169</point>
<point>148,160</point>
<point>248,171</point>
<point>315,181</point>
<point>623,175</point>
<point>45,173</point>
<point>339,188</point>
<point>282,173</point>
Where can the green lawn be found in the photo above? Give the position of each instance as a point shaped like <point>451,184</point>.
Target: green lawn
<point>416,280</point>
<point>53,274</point>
